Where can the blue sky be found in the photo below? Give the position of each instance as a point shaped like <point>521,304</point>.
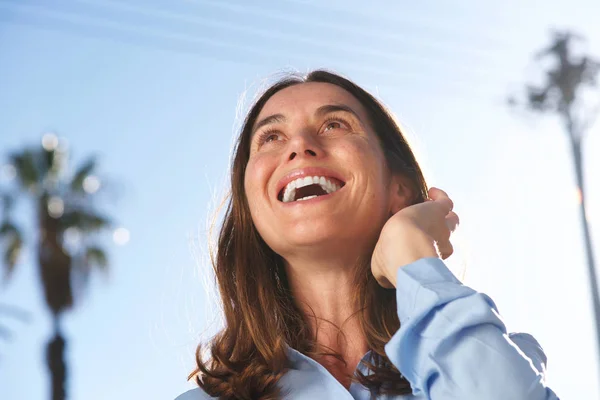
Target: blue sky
<point>153,88</point>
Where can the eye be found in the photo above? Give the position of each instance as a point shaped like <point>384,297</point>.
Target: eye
<point>335,123</point>
<point>268,136</point>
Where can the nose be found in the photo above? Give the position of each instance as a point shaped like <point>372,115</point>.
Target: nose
<point>307,152</point>
<point>303,146</point>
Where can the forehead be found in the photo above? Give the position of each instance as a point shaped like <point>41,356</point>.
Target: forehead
<point>307,97</point>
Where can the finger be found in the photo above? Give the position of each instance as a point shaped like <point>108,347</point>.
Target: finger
<point>441,197</point>
<point>452,221</point>
<point>445,249</point>
<point>383,282</point>
<point>436,192</point>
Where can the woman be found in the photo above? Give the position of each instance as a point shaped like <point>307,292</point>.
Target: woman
<point>329,265</point>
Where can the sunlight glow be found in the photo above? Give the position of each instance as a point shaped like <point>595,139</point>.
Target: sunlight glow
<point>578,195</point>
<point>121,236</point>
<point>91,184</point>
<point>56,207</point>
<point>50,141</point>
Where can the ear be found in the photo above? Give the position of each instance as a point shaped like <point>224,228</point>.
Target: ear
<point>400,192</point>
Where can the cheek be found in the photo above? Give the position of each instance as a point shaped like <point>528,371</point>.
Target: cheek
<point>366,158</point>
<point>258,171</point>
<point>352,150</point>
<point>361,155</point>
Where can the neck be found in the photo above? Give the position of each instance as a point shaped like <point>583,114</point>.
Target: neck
<point>325,290</point>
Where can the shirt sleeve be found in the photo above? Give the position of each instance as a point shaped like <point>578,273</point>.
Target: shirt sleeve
<point>452,343</point>
<point>194,394</point>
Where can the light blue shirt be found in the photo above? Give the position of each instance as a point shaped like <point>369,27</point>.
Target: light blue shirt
<point>451,345</point>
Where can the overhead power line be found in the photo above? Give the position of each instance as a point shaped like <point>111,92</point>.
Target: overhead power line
<point>81,24</point>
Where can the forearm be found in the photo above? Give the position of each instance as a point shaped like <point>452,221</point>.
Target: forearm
<point>452,343</point>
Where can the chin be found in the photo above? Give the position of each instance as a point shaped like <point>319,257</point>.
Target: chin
<point>328,235</point>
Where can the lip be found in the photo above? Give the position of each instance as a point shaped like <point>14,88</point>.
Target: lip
<point>307,171</point>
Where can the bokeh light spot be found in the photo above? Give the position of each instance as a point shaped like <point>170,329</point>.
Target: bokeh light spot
<point>91,184</point>
<point>121,236</point>
<point>49,141</point>
<point>72,236</point>
<point>56,207</point>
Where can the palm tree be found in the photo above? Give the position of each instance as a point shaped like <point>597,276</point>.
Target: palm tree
<point>565,93</point>
<point>65,234</point>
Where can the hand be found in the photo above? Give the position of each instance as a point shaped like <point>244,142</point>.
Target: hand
<point>413,233</point>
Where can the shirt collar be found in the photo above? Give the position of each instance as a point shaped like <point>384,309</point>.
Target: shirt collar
<point>299,361</point>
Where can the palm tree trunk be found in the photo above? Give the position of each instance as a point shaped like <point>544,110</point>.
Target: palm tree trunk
<point>55,353</point>
<point>593,277</point>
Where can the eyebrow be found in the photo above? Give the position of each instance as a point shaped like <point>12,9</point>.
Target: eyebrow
<point>321,111</point>
<point>331,108</point>
<point>271,119</point>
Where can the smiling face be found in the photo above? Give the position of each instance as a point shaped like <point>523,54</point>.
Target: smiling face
<point>315,139</point>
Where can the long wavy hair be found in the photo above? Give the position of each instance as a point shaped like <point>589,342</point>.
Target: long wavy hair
<point>249,355</point>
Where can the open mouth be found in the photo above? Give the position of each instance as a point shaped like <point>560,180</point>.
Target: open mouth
<point>309,187</point>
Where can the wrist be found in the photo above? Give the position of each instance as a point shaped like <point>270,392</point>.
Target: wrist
<point>420,245</point>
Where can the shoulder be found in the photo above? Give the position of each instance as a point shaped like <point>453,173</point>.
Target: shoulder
<point>194,394</point>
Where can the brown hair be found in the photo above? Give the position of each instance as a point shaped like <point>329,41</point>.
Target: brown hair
<point>248,357</point>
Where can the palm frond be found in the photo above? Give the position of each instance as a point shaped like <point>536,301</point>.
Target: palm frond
<point>84,170</point>
<point>591,68</point>
<point>47,160</point>
<point>13,313</point>
<point>17,313</point>
<point>84,220</point>
<point>26,165</point>
<point>84,263</point>
<point>7,228</point>
<point>538,98</point>
<point>96,256</point>
<point>13,247</point>
<point>11,255</point>
<point>8,201</point>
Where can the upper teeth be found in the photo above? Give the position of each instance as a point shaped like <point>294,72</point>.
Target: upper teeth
<point>289,193</point>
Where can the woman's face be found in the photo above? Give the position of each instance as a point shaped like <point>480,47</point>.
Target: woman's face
<point>316,179</point>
